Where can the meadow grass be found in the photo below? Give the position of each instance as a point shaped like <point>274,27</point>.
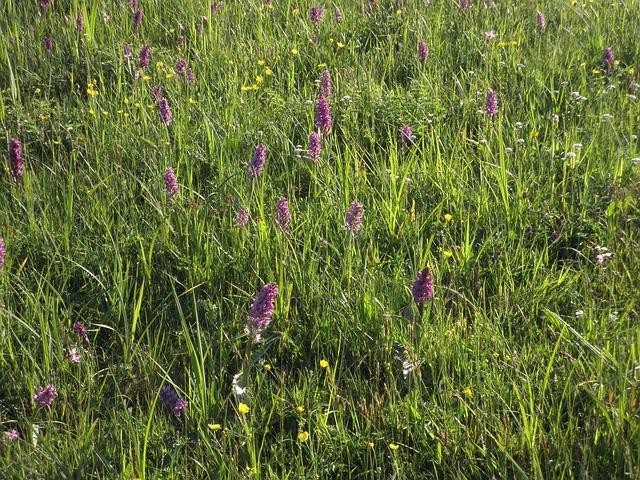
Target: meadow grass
<point>524,364</point>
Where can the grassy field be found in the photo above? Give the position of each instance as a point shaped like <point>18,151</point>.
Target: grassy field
<point>219,222</point>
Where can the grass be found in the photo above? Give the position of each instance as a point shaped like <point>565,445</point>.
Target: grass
<point>525,364</point>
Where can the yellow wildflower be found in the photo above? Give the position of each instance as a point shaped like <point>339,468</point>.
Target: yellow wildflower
<point>300,409</point>
<point>324,364</point>
<point>303,436</point>
<point>267,367</point>
<point>448,253</point>
<point>534,134</point>
<point>254,87</point>
<point>105,113</point>
<point>243,408</point>
<point>448,217</point>
<point>496,355</point>
<point>595,71</point>
<point>468,392</point>
<point>214,426</point>
<point>36,91</point>
<point>294,51</point>
<point>126,101</point>
<point>192,101</point>
<point>261,62</point>
<point>267,71</point>
<point>92,112</point>
<point>340,44</point>
<point>259,79</point>
<point>370,445</point>
<point>146,78</point>
<point>394,446</point>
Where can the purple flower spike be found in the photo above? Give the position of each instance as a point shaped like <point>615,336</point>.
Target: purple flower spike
<point>45,396</point>
<point>422,289</point>
<point>256,165</point>
<point>423,51</point>
<point>283,214</point>
<point>126,51</point>
<point>189,76</point>
<point>15,158</point>
<point>181,67</point>
<point>354,217</point>
<point>48,43</point>
<point>80,21</point>
<point>316,14</point>
<point>491,105</point>
<point>607,56</point>
<point>3,252</point>
<point>145,53</point>
<point>464,3</point>
<point>165,111</point>
<point>407,135</point>
<point>314,147</point>
<point>79,329</point>
<point>325,84</point>
<point>242,217</point>
<point>262,309</point>
<point>44,4</point>
<point>323,115</point>
<point>11,435</point>
<point>541,23</point>
<point>171,400</point>
<point>338,15</point>
<point>156,94</point>
<point>171,183</point>
<point>137,18</point>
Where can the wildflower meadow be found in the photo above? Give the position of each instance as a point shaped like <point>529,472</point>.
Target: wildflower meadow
<point>372,239</point>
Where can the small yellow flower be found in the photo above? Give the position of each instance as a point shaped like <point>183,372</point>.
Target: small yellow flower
<point>137,104</point>
<point>261,62</point>
<point>164,142</point>
<point>513,43</point>
<point>331,40</point>
<point>192,101</point>
<point>616,62</point>
<point>243,408</point>
<point>120,112</point>
<point>324,364</point>
<point>294,51</point>
<point>254,87</point>
<point>398,12</point>
<point>631,71</point>
<point>394,446</point>
<point>468,392</point>
<point>245,88</point>
<point>169,76</point>
<point>448,253</point>
<point>448,333</point>
<point>300,409</point>
<point>340,44</point>
<point>158,64</point>
<point>90,85</point>
<point>322,65</point>
<point>126,115</point>
<point>595,71</point>
<point>126,101</point>
<point>259,79</point>
<point>36,91</point>
<point>534,134</point>
<point>171,30</point>
<point>92,112</point>
<point>105,113</point>
<point>80,138</point>
<point>146,78</point>
<point>448,217</point>
<point>583,64</point>
<point>267,71</point>
<point>303,436</point>
<point>230,62</point>
<point>496,355</point>
<point>370,445</point>
<point>270,6</point>
<point>267,367</point>
<point>295,11</point>
<point>214,426</point>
